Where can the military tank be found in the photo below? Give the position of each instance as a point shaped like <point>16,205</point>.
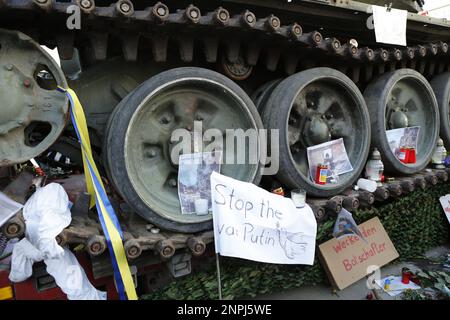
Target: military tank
<point>310,69</point>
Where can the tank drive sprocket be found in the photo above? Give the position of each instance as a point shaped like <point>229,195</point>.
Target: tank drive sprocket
<point>33,112</point>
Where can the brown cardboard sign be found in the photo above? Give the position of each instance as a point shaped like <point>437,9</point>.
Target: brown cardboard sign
<point>348,258</point>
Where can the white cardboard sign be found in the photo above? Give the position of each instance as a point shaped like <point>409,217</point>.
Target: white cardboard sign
<point>254,224</point>
<point>390,25</point>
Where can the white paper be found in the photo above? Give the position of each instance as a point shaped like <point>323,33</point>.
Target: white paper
<point>445,203</point>
<point>390,26</point>
<point>54,54</point>
<point>396,286</point>
<point>254,224</point>
<point>8,208</point>
<point>331,153</point>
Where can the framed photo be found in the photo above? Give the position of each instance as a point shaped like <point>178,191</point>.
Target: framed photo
<point>194,184</point>
<point>331,154</point>
<point>402,138</point>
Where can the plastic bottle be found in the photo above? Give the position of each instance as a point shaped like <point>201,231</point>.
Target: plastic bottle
<point>367,185</point>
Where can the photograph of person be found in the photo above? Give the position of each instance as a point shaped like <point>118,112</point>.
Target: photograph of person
<point>332,154</point>
<point>194,185</point>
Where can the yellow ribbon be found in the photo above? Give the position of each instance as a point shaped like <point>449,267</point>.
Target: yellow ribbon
<point>114,234</point>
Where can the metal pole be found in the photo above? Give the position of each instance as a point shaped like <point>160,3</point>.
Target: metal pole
<point>219,282</point>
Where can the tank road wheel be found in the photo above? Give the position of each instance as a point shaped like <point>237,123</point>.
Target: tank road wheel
<point>401,99</point>
<point>262,94</point>
<point>312,107</point>
<point>441,87</point>
<point>138,137</point>
<point>32,112</point>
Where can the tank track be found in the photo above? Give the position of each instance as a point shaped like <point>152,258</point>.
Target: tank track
<point>259,40</point>
<point>141,236</point>
<point>85,229</point>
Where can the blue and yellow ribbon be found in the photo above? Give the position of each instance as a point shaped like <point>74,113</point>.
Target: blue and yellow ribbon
<point>107,216</point>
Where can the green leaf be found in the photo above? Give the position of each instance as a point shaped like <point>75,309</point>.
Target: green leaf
<point>423,275</point>
<point>439,286</point>
<point>447,279</point>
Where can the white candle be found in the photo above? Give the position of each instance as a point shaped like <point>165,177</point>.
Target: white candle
<point>299,198</point>
<point>201,207</point>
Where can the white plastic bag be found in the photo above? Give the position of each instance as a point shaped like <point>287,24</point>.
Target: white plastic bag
<point>46,214</point>
<point>23,256</point>
<point>71,278</point>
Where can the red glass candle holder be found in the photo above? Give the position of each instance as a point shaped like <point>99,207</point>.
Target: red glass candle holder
<point>403,155</point>
<point>406,277</point>
<point>412,155</point>
<point>321,174</point>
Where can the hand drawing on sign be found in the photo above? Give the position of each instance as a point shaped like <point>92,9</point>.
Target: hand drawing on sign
<point>292,243</point>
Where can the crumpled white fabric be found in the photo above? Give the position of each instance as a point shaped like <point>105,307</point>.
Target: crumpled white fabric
<point>23,256</point>
<point>46,214</point>
<point>71,278</point>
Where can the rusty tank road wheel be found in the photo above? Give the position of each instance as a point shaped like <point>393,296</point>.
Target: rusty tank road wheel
<point>402,99</point>
<point>138,145</point>
<point>312,107</point>
<point>33,113</point>
<point>441,87</point>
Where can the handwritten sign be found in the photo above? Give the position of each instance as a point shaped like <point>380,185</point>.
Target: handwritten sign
<point>254,224</point>
<point>390,25</point>
<point>349,259</point>
<point>445,203</point>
